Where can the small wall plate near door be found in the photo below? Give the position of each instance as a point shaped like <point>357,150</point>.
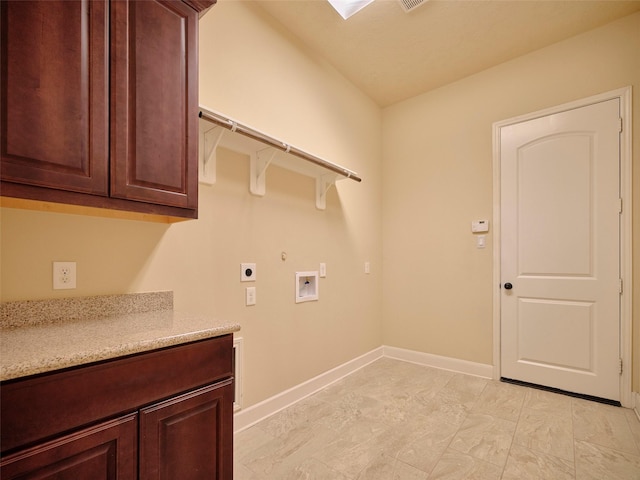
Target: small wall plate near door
<point>306,286</point>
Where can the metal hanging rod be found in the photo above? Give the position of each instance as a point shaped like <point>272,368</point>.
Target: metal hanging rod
<point>234,126</point>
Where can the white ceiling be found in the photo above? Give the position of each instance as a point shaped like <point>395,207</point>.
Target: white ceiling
<point>392,55</point>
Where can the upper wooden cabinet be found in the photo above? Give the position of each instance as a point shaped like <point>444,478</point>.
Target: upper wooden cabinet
<point>55,94</point>
<point>99,104</point>
<point>154,118</point>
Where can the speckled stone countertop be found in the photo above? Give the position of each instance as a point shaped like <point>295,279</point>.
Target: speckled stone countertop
<point>55,335</point>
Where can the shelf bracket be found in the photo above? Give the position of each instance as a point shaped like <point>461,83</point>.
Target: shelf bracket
<point>211,140</point>
<point>258,170</point>
<point>323,184</point>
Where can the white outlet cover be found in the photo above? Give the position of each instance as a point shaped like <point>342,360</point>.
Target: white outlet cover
<point>64,275</point>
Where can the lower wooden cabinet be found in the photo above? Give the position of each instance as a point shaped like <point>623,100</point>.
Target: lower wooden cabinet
<point>181,438</point>
<point>160,415</point>
<point>104,452</point>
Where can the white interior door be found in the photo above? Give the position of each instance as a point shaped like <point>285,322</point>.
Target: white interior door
<point>560,250</point>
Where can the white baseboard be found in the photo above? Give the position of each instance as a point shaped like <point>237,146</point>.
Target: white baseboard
<point>443,363</point>
<point>252,415</point>
<point>247,417</point>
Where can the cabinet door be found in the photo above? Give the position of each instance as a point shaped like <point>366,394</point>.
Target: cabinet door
<point>104,452</point>
<point>189,437</point>
<point>154,102</point>
<point>54,94</point>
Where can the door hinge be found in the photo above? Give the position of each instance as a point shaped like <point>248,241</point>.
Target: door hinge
<point>620,286</point>
<point>619,205</point>
<point>620,366</point>
<point>621,124</point>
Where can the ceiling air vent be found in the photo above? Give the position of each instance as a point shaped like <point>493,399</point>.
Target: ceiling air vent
<point>408,5</point>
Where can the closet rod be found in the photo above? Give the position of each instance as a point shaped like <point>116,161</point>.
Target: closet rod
<point>261,137</point>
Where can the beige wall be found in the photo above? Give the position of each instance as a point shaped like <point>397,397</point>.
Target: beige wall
<point>437,170</point>
<point>301,100</point>
<point>437,175</point>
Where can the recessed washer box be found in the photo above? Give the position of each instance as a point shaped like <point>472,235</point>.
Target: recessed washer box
<point>306,286</point>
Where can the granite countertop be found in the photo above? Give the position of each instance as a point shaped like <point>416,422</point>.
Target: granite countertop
<point>50,342</point>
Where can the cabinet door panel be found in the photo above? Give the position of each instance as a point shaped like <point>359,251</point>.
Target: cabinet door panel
<point>104,452</point>
<point>189,437</point>
<point>154,112</point>
<point>54,94</point>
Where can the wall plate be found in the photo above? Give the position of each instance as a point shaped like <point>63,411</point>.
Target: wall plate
<point>247,272</point>
<point>480,226</point>
<point>64,275</point>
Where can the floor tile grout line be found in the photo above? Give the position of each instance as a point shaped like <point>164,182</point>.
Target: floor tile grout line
<point>597,444</point>
<point>513,436</point>
<point>636,438</point>
<point>459,426</point>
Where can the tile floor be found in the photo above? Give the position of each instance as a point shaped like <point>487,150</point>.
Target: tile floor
<point>397,420</point>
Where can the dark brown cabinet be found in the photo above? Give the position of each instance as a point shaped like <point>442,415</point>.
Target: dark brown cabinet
<point>99,103</point>
<point>104,452</point>
<point>154,118</point>
<point>163,414</point>
<point>55,95</point>
<point>180,438</point>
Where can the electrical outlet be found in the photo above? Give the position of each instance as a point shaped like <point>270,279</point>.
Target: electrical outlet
<point>247,272</point>
<point>64,275</point>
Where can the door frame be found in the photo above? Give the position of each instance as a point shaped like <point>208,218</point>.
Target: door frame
<point>624,95</point>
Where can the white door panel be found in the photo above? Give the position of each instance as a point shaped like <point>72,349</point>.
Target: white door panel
<point>560,250</point>
<point>554,195</point>
<point>548,326</point>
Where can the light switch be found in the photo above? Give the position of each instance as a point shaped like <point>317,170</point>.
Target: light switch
<point>481,241</point>
<point>250,296</point>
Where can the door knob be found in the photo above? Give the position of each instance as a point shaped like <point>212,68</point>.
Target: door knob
<point>508,286</point>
